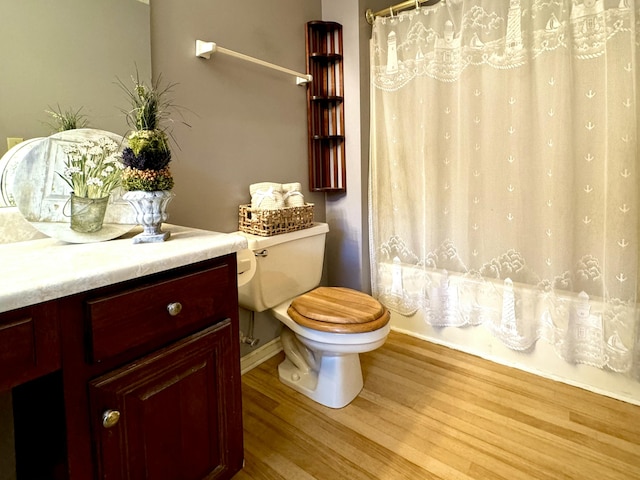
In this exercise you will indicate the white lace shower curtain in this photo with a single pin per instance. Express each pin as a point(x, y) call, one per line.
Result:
point(504, 172)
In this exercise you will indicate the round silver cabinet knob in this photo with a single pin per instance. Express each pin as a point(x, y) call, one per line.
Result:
point(110, 418)
point(174, 308)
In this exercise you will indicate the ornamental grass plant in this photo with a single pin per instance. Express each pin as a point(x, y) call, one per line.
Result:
point(147, 157)
point(68, 119)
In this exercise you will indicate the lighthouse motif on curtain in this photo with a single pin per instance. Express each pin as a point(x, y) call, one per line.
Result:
point(392, 54)
point(510, 331)
point(514, 27)
point(513, 53)
point(443, 310)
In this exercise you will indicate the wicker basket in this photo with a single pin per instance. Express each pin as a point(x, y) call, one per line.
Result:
point(273, 222)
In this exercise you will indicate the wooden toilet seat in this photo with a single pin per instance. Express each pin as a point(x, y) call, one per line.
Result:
point(338, 310)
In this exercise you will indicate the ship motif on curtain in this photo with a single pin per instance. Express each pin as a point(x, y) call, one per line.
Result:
point(551, 309)
point(494, 40)
point(618, 355)
point(619, 335)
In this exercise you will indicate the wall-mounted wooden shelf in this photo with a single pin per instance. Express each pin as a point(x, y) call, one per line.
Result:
point(325, 107)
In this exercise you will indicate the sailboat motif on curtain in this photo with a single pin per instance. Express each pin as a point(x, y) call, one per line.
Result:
point(504, 172)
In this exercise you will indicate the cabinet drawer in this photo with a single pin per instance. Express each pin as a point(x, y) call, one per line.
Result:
point(153, 314)
point(29, 344)
point(18, 343)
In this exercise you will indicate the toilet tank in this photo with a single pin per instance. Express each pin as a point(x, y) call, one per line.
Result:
point(287, 265)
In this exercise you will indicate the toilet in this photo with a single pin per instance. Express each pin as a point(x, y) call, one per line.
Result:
point(324, 328)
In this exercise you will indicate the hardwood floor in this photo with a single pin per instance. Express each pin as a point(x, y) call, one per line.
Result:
point(429, 412)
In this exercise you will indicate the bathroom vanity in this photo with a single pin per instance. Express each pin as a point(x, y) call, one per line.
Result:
point(123, 359)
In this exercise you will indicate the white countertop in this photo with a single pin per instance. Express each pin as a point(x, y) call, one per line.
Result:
point(39, 270)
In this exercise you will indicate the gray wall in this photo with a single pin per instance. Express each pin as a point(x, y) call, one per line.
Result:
point(248, 123)
point(346, 247)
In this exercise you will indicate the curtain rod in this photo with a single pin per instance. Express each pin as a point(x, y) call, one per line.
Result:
point(392, 10)
point(205, 49)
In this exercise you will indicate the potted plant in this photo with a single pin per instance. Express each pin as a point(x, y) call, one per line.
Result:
point(68, 119)
point(93, 170)
point(146, 176)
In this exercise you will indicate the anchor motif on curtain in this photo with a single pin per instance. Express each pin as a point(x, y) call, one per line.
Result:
point(540, 236)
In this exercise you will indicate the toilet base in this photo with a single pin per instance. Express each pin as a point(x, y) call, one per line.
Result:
point(335, 384)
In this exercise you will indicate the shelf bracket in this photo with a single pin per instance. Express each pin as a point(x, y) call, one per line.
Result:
point(205, 49)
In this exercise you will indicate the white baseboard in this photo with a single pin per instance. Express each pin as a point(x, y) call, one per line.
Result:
point(260, 355)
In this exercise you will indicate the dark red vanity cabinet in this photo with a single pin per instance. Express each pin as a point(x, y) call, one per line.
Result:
point(147, 372)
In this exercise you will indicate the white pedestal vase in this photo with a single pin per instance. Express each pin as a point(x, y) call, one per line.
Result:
point(151, 211)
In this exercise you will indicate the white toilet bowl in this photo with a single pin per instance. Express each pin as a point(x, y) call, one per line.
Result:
point(324, 366)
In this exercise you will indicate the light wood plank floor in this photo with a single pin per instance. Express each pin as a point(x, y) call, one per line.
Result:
point(429, 412)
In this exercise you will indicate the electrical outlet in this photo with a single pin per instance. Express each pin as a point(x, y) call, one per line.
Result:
point(13, 141)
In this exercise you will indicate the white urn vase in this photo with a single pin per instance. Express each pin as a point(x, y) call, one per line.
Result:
point(151, 212)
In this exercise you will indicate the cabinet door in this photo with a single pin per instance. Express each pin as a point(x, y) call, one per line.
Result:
point(173, 415)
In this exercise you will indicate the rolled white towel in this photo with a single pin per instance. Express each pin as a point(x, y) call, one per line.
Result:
point(293, 197)
point(264, 186)
point(268, 199)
